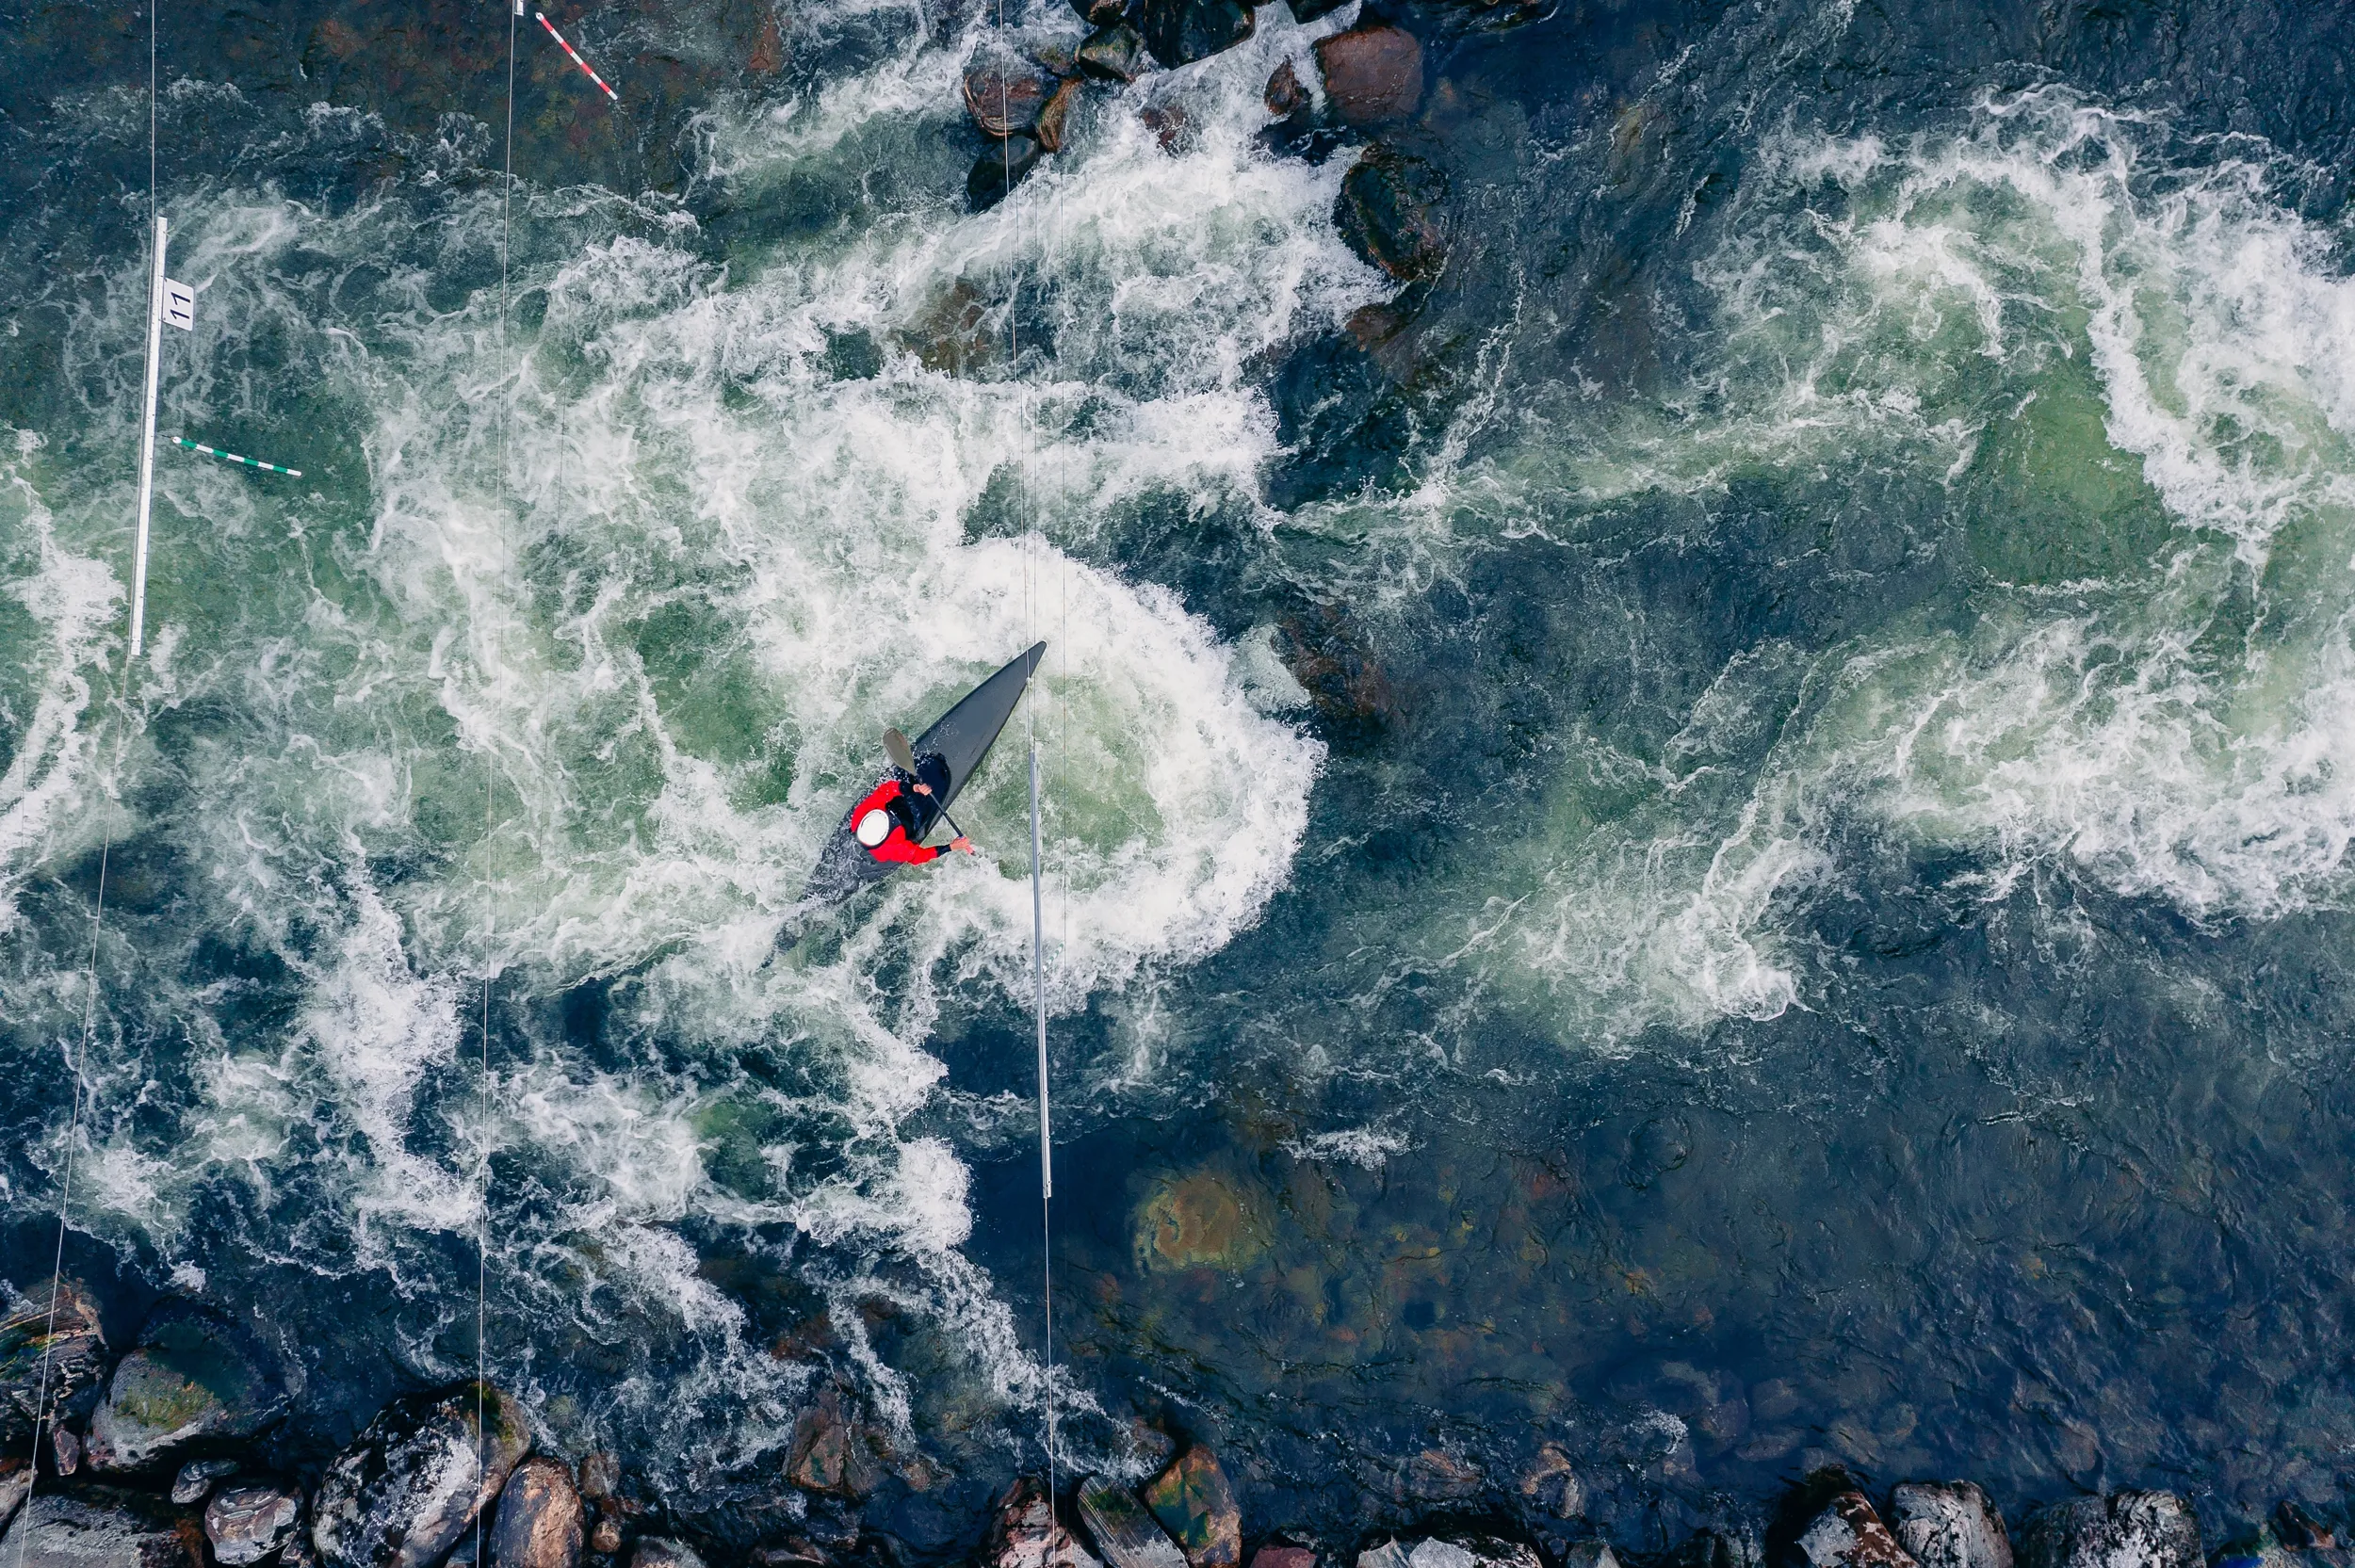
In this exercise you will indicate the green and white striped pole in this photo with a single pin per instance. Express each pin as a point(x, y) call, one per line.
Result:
point(236, 456)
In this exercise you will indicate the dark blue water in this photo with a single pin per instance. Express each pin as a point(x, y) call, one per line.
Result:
point(1717, 839)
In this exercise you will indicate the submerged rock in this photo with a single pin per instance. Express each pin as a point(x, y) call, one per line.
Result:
point(1387, 212)
point(192, 1375)
point(1949, 1524)
point(1848, 1534)
point(1553, 1484)
point(829, 1453)
point(659, 1552)
point(102, 1528)
point(539, 1522)
point(197, 1476)
point(2300, 1530)
point(1026, 1534)
point(1194, 1503)
point(1373, 73)
point(2125, 1530)
point(1124, 1533)
point(1100, 13)
point(600, 1474)
point(402, 1494)
point(245, 1524)
point(996, 172)
point(66, 1351)
point(1112, 53)
point(1285, 96)
point(1179, 32)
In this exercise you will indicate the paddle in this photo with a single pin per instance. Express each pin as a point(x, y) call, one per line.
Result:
point(902, 757)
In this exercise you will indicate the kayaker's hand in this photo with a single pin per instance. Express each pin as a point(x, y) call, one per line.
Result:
point(922, 788)
point(964, 844)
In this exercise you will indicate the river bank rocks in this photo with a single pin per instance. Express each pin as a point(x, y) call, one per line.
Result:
point(102, 1528)
point(1949, 1524)
point(402, 1494)
point(1196, 1504)
point(52, 1352)
point(2146, 1530)
point(193, 1375)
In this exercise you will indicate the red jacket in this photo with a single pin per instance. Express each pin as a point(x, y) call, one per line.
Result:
point(895, 846)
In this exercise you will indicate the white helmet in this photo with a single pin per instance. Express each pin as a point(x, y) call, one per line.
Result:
point(875, 827)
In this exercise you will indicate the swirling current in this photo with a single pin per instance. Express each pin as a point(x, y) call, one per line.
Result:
point(1717, 838)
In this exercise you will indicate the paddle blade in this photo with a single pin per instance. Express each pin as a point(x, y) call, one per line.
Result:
point(896, 746)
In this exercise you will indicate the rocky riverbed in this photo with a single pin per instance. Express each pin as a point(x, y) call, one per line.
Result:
point(151, 1460)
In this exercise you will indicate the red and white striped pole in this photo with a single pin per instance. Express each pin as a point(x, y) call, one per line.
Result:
point(575, 54)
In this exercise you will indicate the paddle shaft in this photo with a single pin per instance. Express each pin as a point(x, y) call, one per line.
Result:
point(902, 757)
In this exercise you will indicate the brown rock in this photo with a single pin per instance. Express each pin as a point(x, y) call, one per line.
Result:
point(65, 1450)
point(1372, 73)
point(767, 56)
point(1848, 1534)
point(1285, 96)
point(1007, 100)
point(1194, 1503)
point(605, 1538)
point(600, 1474)
point(1436, 1476)
point(537, 1523)
point(1026, 1534)
point(1283, 1556)
point(829, 1453)
point(1051, 115)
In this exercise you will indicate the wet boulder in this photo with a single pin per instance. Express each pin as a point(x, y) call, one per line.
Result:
point(193, 1375)
point(1194, 1501)
point(245, 1524)
point(2125, 1530)
point(1025, 1533)
point(1100, 13)
point(58, 1358)
point(1388, 212)
point(1949, 1524)
point(1388, 1555)
point(1112, 53)
point(996, 172)
point(1589, 1553)
point(1848, 1534)
point(1373, 73)
point(1124, 1533)
point(103, 1527)
point(1179, 32)
point(405, 1491)
point(539, 1522)
point(1018, 100)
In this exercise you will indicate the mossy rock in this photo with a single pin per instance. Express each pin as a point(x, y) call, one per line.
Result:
point(194, 1376)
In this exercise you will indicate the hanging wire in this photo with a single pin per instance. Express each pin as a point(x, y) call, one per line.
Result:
point(44, 1414)
point(490, 787)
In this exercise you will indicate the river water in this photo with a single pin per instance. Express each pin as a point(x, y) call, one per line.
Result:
point(1717, 840)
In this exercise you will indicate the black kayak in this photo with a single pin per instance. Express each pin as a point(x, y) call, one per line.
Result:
point(947, 755)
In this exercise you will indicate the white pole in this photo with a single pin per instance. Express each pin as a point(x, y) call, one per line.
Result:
point(147, 440)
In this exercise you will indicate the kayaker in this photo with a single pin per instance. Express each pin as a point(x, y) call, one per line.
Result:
point(883, 820)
